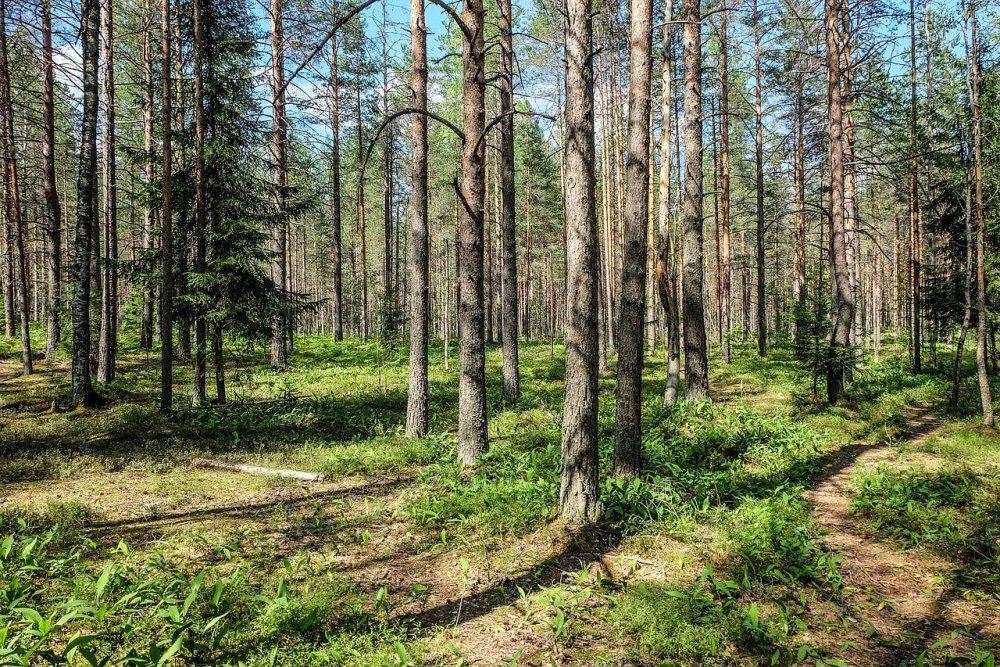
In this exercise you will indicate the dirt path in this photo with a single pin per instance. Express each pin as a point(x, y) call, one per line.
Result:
point(899, 601)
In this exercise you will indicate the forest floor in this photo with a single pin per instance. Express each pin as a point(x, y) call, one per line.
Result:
point(768, 529)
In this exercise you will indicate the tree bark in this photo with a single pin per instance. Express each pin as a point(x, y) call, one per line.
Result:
point(472, 435)
point(579, 494)
point(53, 213)
point(108, 343)
point(279, 158)
point(508, 319)
point(631, 328)
point(695, 339)
point(975, 84)
point(758, 134)
point(12, 199)
point(666, 268)
point(166, 221)
point(149, 219)
point(416, 411)
point(725, 235)
point(200, 259)
point(843, 312)
point(81, 390)
point(336, 213)
point(912, 202)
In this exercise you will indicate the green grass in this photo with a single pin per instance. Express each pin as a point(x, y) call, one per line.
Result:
point(377, 565)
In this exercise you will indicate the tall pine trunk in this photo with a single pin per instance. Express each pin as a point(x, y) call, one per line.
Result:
point(628, 420)
point(843, 306)
point(725, 233)
point(695, 338)
point(12, 198)
point(508, 319)
point(81, 390)
point(107, 344)
point(338, 263)
point(200, 258)
point(472, 435)
point(279, 160)
point(975, 86)
point(579, 494)
point(758, 134)
point(166, 221)
point(416, 411)
point(53, 212)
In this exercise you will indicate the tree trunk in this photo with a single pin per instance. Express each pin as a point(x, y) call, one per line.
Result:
point(628, 427)
point(53, 214)
point(579, 495)
point(695, 339)
point(508, 319)
point(82, 393)
point(12, 198)
point(200, 259)
point(666, 268)
point(338, 284)
point(149, 220)
point(108, 343)
point(975, 84)
point(725, 236)
point(758, 119)
point(166, 224)
point(472, 435)
point(362, 229)
point(915, 250)
point(843, 313)
point(416, 412)
point(279, 158)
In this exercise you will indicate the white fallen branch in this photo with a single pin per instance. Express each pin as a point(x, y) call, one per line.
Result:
point(258, 470)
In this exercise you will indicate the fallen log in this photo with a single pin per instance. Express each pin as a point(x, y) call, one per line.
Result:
point(258, 470)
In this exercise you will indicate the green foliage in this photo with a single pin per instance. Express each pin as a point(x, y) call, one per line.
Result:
point(774, 540)
point(150, 611)
point(952, 511)
point(513, 487)
point(812, 336)
point(699, 456)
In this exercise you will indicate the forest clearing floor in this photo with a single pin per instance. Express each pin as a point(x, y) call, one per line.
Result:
point(768, 528)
